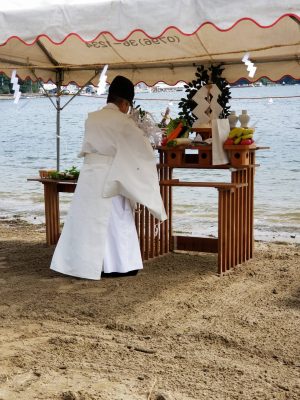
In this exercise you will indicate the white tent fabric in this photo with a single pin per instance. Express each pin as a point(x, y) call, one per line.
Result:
point(88, 18)
point(149, 40)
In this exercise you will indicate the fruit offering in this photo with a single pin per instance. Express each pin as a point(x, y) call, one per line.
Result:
point(242, 136)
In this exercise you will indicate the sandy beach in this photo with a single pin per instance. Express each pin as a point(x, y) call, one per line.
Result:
point(176, 331)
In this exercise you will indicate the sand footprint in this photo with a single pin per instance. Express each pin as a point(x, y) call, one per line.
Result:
point(3, 263)
point(81, 287)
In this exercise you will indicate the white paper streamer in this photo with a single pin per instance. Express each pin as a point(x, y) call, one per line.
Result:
point(250, 66)
point(207, 107)
point(102, 81)
point(202, 109)
point(16, 86)
point(215, 107)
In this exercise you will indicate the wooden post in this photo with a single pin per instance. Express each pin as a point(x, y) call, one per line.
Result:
point(152, 237)
point(51, 213)
point(221, 233)
point(147, 238)
point(142, 237)
point(251, 202)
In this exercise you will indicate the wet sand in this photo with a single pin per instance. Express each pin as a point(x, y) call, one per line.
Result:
point(176, 331)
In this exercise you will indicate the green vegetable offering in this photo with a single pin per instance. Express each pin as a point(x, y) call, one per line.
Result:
point(72, 173)
point(184, 133)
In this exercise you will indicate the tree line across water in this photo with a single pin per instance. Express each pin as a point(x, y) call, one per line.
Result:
point(26, 86)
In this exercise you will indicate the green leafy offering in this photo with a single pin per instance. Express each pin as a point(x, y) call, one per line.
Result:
point(72, 173)
point(171, 143)
point(173, 124)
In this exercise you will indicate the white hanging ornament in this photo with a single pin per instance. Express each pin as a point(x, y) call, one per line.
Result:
point(102, 81)
point(207, 107)
point(16, 86)
point(201, 95)
point(215, 107)
point(202, 109)
point(250, 66)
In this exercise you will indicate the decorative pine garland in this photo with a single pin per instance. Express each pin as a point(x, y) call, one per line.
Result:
point(203, 77)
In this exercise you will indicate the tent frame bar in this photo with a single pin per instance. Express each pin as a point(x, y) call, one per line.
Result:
point(136, 66)
point(59, 80)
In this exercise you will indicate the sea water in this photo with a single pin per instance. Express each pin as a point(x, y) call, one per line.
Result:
point(28, 143)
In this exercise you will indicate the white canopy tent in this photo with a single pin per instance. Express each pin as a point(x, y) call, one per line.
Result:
point(147, 40)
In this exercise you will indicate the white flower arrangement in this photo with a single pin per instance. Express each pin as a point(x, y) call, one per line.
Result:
point(146, 122)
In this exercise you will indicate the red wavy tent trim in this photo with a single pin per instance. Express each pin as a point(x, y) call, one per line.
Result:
point(146, 34)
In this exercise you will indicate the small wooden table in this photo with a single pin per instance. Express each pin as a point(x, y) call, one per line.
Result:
point(230, 220)
point(52, 187)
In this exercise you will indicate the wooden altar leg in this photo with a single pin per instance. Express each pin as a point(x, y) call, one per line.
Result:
point(233, 233)
point(162, 226)
point(251, 203)
point(240, 221)
point(243, 217)
point(142, 231)
point(51, 213)
point(170, 213)
point(221, 233)
point(244, 206)
point(147, 238)
point(226, 231)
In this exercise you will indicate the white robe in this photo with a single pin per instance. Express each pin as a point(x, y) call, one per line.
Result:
point(118, 160)
point(122, 248)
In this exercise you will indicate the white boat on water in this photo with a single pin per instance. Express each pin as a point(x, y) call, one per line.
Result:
point(142, 88)
point(163, 87)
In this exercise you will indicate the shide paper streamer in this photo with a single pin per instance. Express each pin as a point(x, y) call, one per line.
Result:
point(102, 81)
point(16, 87)
point(250, 66)
point(207, 107)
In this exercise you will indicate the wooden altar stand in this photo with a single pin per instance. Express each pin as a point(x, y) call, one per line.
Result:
point(235, 240)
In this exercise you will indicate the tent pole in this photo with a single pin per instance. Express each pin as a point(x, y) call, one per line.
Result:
point(80, 90)
point(58, 129)
point(59, 81)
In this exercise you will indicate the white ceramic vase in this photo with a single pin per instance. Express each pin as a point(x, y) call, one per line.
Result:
point(233, 119)
point(244, 119)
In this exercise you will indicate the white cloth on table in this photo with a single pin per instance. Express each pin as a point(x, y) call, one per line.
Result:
point(220, 131)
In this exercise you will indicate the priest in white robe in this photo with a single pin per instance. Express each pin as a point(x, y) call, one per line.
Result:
point(119, 170)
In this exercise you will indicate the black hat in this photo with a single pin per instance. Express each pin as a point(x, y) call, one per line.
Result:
point(122, 87)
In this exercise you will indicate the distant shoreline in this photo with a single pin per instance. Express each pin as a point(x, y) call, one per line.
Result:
point(23, 96)
point(38, 95)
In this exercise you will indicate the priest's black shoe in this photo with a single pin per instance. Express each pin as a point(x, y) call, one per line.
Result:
point(119, 274)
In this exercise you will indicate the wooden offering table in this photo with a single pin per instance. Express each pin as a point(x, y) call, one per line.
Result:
point(230, 226)
point(235, 240)
point(52, 187)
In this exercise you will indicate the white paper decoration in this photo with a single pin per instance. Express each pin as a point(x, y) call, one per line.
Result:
point(207, 107)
